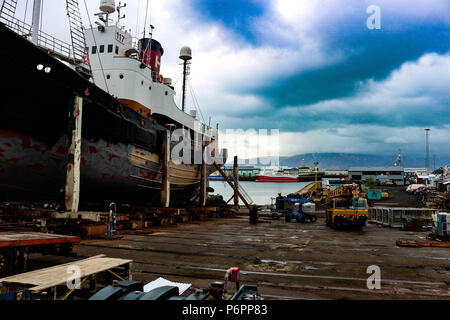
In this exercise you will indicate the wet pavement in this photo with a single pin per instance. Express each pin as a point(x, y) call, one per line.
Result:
point(286, 260)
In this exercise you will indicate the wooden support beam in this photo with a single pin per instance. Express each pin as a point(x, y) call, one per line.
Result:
point(236, 181)
point(231, 184)
point(203, 180)
point(72, 188)
point(165, 187)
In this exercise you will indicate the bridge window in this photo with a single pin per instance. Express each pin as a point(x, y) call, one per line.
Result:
point(117, 49)
point(110, 48)
point(94, 49)
point(102, 48)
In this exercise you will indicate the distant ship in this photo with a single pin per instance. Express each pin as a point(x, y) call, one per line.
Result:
point(126, 113)
point(276, 176)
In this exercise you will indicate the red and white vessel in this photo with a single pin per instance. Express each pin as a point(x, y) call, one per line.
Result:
point(277, 176)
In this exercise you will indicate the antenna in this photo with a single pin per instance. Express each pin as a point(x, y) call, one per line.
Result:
point(120, 7)
point(399, 159)
point(185, 55)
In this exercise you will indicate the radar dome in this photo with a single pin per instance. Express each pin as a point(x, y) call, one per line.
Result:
point(107, 6)
point(185, 53)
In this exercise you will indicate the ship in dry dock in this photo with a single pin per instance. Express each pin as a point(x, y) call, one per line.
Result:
point(128, 108)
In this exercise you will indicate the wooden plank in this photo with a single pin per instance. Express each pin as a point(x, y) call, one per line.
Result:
point(203, 179)
point(231, 184)
point(236, 181)
point(416, 244)
point(165, 188)
point(54, 276)
point(72, 188)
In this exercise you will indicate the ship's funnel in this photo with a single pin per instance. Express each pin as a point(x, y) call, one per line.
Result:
point(107, 6)
point(150, 55)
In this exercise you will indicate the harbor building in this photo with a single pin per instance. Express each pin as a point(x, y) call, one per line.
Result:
point(382, 175)
point(244, 171)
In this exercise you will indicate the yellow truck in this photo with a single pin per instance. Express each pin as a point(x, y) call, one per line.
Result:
point(345, 207)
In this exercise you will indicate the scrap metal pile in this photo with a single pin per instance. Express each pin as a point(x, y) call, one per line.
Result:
point(435, 200)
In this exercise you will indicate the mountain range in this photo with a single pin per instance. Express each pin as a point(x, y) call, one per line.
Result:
point(346, 160)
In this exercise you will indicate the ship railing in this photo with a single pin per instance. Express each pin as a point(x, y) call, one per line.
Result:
point(20, 27)
point(61, 49)
point(55, 45)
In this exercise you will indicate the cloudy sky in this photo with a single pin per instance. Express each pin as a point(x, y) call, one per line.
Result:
point(310, 68)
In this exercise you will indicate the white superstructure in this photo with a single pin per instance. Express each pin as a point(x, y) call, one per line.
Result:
point(129, 69)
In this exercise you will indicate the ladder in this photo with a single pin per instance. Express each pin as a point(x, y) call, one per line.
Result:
point(8, 8)
point(80, 52)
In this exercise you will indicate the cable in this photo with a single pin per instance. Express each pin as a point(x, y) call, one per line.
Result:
point(95, 43)
point(194, 98)
point(176, 82)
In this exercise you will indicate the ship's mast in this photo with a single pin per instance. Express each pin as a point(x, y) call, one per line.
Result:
point(36, 20)
point(185, 55)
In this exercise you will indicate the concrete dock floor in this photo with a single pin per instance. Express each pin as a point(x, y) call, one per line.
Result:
point(285, 260)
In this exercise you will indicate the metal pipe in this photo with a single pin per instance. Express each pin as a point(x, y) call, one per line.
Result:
point(184, 85)
point(36, 20)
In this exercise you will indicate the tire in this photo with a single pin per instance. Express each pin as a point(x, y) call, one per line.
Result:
point(312, 218)
point(275, 216)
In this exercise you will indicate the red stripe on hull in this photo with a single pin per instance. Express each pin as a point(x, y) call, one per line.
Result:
point(276, 179)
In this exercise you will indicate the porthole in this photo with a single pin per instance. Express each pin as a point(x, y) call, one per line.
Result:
point(142, 83)
point(47, 69)
point(150, 88)
point(40, 67)
point(121, 76)
point(108, 76)
point(167, 93)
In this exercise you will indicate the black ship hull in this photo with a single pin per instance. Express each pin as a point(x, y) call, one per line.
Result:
point(121, 149)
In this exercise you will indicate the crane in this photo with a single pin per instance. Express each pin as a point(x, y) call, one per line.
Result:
point(346, 207)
